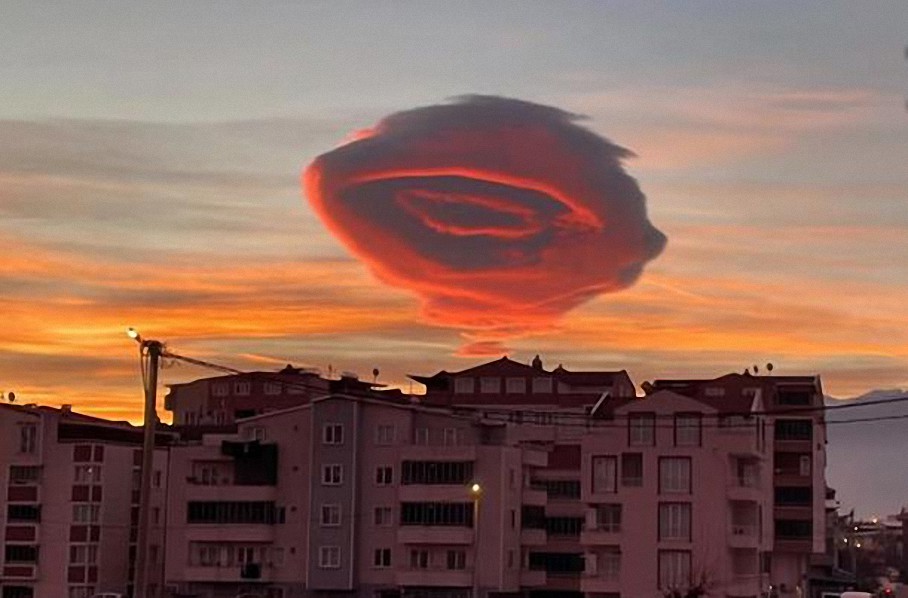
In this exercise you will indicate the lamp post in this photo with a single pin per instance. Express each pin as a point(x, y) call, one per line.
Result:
point(476, 492)
point(152, 350)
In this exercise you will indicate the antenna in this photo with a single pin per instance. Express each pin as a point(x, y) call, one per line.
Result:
point(375, 373)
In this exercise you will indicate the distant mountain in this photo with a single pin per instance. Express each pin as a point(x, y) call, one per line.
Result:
point(866, 462)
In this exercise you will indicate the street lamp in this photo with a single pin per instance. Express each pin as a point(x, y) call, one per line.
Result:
point(152, 351)
point(476, 492)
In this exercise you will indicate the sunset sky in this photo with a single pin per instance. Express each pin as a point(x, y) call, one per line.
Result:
point(150, 161)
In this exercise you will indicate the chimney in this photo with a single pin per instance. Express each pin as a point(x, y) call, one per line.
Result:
point(537, 363)
point(66, 409)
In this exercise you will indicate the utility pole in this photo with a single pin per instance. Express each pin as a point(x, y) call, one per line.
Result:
point(150, 352)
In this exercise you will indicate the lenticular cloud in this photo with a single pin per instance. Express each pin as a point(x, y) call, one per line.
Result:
point(500, 214)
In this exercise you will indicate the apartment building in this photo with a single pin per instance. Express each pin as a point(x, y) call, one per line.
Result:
point(354, 496)
point(548, 408)
point(222, 400)
point(797, 460)
point(70, 487)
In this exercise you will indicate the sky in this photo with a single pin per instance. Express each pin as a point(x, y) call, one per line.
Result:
point(150, 161)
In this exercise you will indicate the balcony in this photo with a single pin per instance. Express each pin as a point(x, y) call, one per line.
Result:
point(743, 536)
point(745, 488)
point(245, 532)
point(20, 571)
point(792, 445)
point(608, 536)
point(200, 492)
point(533, 579)
point(599, 585)
point(534, 496)
point(433, 452)
point(801, 512)
point(462, 578)
point(434, 493)
point(533, 537)
point(803, 545)
point(791, 478)
point(233, 574)
point(434, 534)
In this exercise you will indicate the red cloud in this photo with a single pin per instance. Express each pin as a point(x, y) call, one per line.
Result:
point(501, 215)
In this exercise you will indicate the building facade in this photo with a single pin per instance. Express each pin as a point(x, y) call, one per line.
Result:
point(70, 487)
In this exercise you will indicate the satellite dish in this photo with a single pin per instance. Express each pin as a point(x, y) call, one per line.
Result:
point(769, 366)
point(375, 373)
point(11, 397)
point(756, 369)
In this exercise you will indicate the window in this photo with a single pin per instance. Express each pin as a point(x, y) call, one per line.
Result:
point(419, 559)
point(81, 591)
point(464, 386)
point(604, 474)
point(28, 438)
point(510, 559)
point(421, 436)
point(219, 389)
point(542, 385)
point(258, 433)
point(383, 516)
point(332, 475)
point(641, 429)
point(83, 513)
point(272, 388)
point(234, 512)
point(564, 526)
point(242, 388)
point(794, 429)
point(561, 488)
point(331, 515)
point(87, 474)
point(333, 434)
point(437, 513)
point(381, 558)
point(794, 529)
point(513, 519)
point(674, 521)
point(329, 557)
point(156, 478)
point(609, 562)
point(384, 434)
point(515, 386)
point(457, 559)
point(21, 553)
point(24, 474)
point(156, 515)
point(796, 496)
point(800, 397)
point(489, 385)
point(83, 554)
point(608, 518)
point(453, 473)
point(632, 469)
point(21, 513)
point(804, 465)
point(452, 437)
point(688, 429)
point(674, 475)
point(674, 569)
point(384, 475)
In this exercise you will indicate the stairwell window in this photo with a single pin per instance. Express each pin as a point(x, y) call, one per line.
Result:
point(329, 557)
point(604, 474)
point(28, 438)
point(333, 434)
point(674, 475)
point(331, 515)
point(381, 558)
point(384, 475)
point(332, 475)
point(674, 521)
point(674, 569)
point(688, 431)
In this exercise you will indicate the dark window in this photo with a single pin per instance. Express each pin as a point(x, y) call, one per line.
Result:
point(437, 513)
point(21, 553)
point(532, 517)
point(632, 469)
point(564, 526)
point(788, 529)
point(437, 472)
point(24, 474)
point(82, 453)
point(794, 429)
point(795, 397)
point(556, 562)
point(560, 488)
point(794, 496)
point(23, 513)
point(234, 512)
